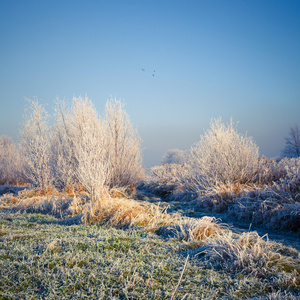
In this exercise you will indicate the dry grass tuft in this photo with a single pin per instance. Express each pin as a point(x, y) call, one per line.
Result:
point(195, 231)
point(250, 253)
point(207, 227)
point(37, 192)
point(234, 190)
point(119, 212)
point(72, 191)
point(75, 190)
point(53, 205)
point(123, 212)
point(8, 200)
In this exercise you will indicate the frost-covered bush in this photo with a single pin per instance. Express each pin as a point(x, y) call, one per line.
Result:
point(81, 147)
point(285, 169)
point(35, 146)
point(269, 170)
point(63, 160)
point(167, 180)
point(123, 147)
point(88, 140)
point(174, 156)
point(284, 175)
point(291, 168)
point(99, 153)
point(222, 156)
point(10, 164)
point(289, 183)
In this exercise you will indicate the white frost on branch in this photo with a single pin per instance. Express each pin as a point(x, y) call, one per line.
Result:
point(223, 156)
point(35, 145)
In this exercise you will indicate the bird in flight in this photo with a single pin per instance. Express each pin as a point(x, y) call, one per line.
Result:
point(152, 72)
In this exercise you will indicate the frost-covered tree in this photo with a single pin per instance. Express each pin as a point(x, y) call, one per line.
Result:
point(222, 156)
point(292, 143)
point(124, 147)
point(81, 147)
point(9, 161)
point(35, 145)
point(174, 156)
point(62, 148)
point(88, 138)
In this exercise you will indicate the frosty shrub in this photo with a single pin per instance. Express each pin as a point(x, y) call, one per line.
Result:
point(123, 147)
point(290, 181)
point(222, 157)
point(82, 140)
point(99, 153)
point(89, 142)
point(35, 146)
point(62, 149)
point(9, 161)
point(269, 170)
point(82, 148)
point(167, 180)
point(291, 168)
point(286, 171)
point(174, 156)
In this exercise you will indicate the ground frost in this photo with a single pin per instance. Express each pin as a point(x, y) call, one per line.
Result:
point(42, 259)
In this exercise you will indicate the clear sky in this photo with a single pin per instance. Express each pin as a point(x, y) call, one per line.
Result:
point(238, 59)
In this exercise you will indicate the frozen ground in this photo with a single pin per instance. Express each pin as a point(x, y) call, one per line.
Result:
point(147, 256)
point(191, 209)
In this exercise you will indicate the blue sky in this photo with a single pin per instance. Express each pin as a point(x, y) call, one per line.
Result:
point(212, 59)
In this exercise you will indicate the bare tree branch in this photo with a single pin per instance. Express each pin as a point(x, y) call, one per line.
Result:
point(292, 143)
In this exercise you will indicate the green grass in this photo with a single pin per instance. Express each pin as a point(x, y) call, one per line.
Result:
point(41, 259)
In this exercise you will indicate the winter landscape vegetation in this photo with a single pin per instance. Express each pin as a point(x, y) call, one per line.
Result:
point(82, 219)
point(184, 183)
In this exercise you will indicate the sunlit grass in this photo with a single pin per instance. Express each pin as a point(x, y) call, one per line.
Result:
point(54, 246)
point(41, 258)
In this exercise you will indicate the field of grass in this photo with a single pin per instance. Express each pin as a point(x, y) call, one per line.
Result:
point(272, 202)
point(46, 257)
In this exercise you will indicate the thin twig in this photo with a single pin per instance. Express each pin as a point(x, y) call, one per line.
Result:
point(173, 296)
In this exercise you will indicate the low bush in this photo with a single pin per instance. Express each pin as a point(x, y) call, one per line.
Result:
point(221, 157)
point(167, 181)
point(175, 156)
point(81, 149)
point(10, 162)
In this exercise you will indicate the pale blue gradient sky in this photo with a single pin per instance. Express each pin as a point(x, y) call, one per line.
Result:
point(235, 59)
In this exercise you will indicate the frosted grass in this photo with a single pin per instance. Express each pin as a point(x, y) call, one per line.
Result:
point(42, 259)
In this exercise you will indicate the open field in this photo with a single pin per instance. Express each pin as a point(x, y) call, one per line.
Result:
point(81, 219)
point(194, 209)
point(150, 150)
point(47, 257)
